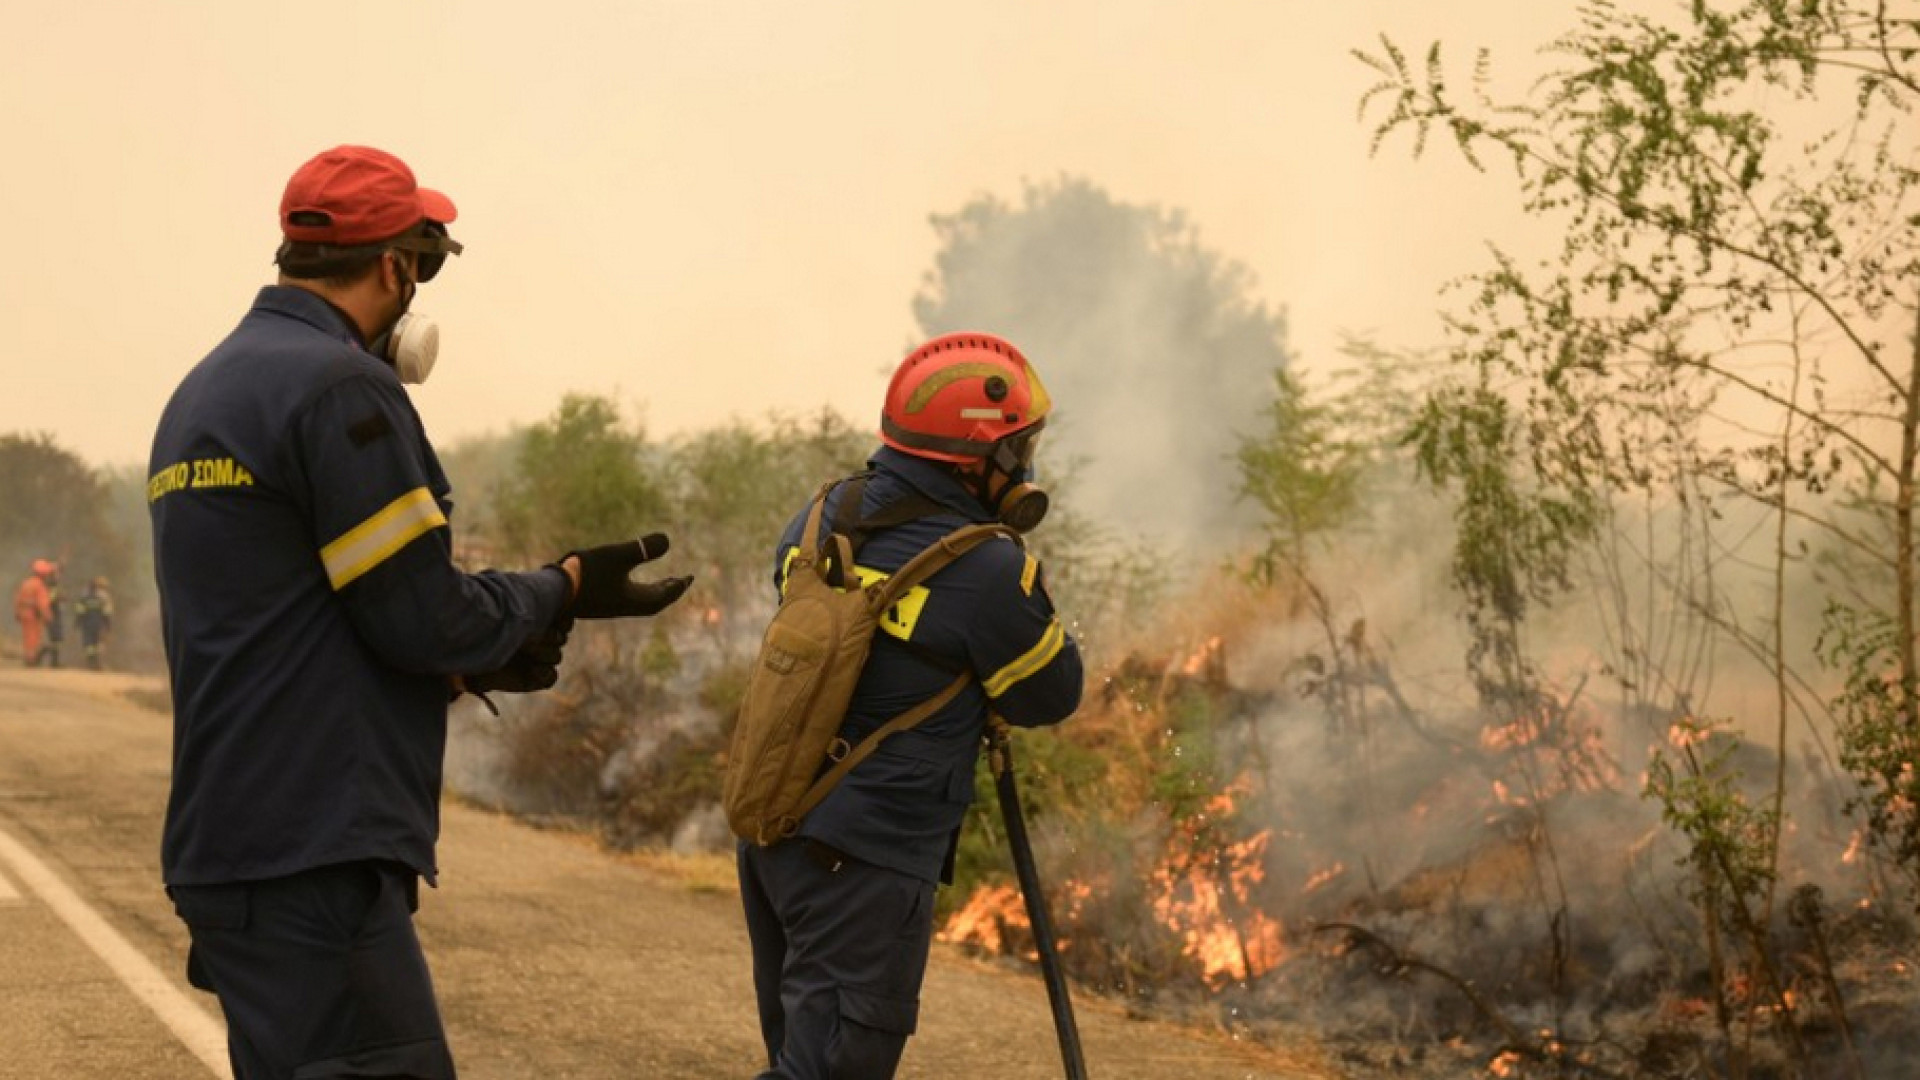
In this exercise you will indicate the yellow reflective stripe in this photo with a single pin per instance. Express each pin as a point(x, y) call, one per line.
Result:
point(1042, 402)
point(786, 569)
point(1029, 662)
point(923, 394)
point(1027, 574)
point(900, 619)
point(371, 542)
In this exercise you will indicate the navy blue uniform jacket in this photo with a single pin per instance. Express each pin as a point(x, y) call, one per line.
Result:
point(310, 605)
point(988, 613)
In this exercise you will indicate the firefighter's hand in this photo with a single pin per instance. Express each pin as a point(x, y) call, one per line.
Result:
point(603, 589)
point(536, 666)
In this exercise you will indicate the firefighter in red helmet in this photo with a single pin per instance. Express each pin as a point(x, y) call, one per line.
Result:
point(974, 401)
point(840, 915)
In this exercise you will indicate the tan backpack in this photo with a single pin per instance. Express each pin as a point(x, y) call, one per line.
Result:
point(810, 660)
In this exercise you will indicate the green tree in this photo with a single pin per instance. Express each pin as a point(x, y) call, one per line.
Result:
point(633, 739)
point(581, 477)
point(733, 490)
point(479, 468)
point(1306, 472)
point(1153, 346)
point(54, 506)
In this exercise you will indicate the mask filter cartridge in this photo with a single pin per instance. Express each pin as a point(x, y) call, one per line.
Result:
point(1022, 506)
point(413, 344)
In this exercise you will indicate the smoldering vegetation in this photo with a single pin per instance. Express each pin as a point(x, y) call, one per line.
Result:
point(1282, 818)
point(1435, 892)
point(1319, 785)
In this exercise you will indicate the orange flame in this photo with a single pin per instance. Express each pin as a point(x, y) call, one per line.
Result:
point(1567, 752)
point(984, 921)
point(1854, 847)
point(1203, 892)
point(1521, 732)
point(1201, 907)
point(1687, 733)
point(1323, 877)
point(1206, 658)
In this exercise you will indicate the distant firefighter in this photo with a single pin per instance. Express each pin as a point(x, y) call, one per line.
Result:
point(94, 616)
point(56, 630)
point(33, 609)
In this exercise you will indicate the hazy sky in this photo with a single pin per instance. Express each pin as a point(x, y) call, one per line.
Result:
point(710, 209)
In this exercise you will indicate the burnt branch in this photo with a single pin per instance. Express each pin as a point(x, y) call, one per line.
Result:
point(1398, 962)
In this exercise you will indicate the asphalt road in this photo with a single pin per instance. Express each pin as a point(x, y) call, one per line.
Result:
point(552, 958)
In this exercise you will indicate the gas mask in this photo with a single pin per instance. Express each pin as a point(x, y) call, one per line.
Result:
point(1020, 503)
point(412, 343)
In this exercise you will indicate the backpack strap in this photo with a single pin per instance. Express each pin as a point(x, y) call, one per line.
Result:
point(858, 527)
point(925, 565)
point(846, 514)
point(882, 596)
point(810, 532)
point(828, 554)
point(906, 508)
point(936, 556)
point(867, 746)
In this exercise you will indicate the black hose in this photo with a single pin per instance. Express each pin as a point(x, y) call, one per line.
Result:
point(1000, 758)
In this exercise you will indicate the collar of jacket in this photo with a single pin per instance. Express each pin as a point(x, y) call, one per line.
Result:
point(931, 479)
point(310, 308)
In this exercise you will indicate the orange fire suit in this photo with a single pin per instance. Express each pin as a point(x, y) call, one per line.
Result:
point(33, 607)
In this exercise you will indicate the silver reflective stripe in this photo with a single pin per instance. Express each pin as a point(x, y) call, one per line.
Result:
point(371, 542)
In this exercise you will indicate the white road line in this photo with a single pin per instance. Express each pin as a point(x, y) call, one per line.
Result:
point(204, 1036)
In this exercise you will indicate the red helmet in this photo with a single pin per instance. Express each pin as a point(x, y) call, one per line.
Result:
point(42, 567)
point(958, 396)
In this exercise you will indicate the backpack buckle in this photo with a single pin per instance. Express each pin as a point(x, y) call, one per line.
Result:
point(838, 748)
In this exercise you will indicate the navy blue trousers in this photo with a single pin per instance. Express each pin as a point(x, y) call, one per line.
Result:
point(320, 974)
point(838, 957)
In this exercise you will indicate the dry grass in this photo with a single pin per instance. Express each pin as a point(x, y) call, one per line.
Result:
point(707, 872)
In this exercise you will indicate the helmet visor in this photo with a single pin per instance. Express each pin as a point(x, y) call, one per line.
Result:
point(1014, 454)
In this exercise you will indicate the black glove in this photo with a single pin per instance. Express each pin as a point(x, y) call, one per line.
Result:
point(534, 666)
point(606, 592)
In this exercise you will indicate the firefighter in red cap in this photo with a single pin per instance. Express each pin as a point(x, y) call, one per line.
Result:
point(840, 915)
point(316, 628)
point(33, 609)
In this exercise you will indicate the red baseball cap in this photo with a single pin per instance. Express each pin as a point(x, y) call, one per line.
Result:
point(357, 195)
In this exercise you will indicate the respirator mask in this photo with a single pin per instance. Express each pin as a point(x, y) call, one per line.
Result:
point(411, 346)
point(1020, 503)
point(412, 343)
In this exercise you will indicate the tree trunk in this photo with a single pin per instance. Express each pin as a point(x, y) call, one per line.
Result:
point(1904, 542)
